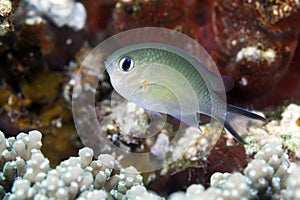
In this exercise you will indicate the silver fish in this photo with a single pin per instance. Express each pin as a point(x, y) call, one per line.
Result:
point(163, 78)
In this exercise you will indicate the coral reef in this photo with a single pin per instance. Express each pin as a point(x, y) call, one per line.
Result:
point(26, 174)
point(285, 131)
point(43, 42)
point(198, 170)
point(32, 90)
point(227, 157)
point(62, 13)
point(195, 144)
point(265, 177)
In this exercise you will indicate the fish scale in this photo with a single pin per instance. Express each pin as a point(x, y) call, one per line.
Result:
point(182, 66)
point(163, 78)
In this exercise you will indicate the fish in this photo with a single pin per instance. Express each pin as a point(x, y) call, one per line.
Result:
point(165, 79)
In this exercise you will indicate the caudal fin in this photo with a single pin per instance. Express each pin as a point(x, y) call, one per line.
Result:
point(237, 121)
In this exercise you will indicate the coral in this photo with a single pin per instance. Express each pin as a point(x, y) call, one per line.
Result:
point(140, 192)
point(285, 131)
point(255, 50)
point(40, 49)
point(50, 42)
point(6, 8)
point(252, 54)
point(32, 97)
point(62, 13)
point(128, 178)
point(132, 120)
point(132, 14)
point(161, 145)
point(233, 186)
point(71, 177)
point(184, 172)
point(292, 191)
point(195, 143)
point(125, 124)
point(268, 170)
point(16, 153)
point(263, 178)
point(93, 195)
point(223, 186)
point(26, 173)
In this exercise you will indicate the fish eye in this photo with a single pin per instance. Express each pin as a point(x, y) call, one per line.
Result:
point(126, 64)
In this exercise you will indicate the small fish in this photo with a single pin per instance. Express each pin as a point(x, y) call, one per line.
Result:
point(163, 78)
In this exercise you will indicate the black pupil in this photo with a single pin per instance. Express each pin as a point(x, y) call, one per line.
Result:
point(126, 64)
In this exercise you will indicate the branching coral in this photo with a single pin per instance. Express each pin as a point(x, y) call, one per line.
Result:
point(263, 178)
point(16, 153)
point(268, 170)
point(26, 173)
point(292, 190)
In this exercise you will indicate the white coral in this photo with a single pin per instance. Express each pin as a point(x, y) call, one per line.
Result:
point(140, 192)
point(62, 12)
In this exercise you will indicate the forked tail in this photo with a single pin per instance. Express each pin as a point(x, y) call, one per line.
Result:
point(237, 121)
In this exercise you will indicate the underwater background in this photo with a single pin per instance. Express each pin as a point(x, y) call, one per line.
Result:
point(42, 46)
